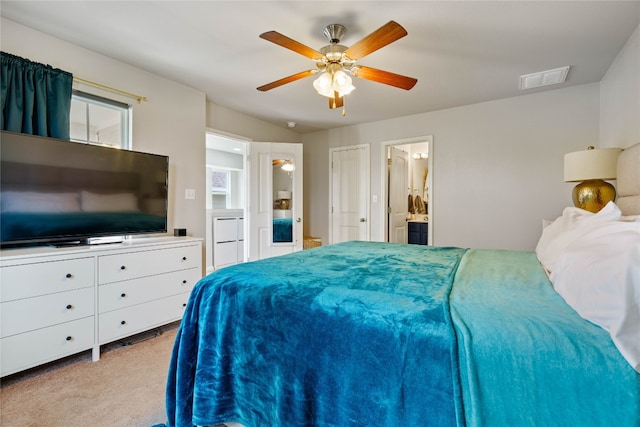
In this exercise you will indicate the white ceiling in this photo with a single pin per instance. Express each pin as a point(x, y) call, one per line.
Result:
point(460, 52)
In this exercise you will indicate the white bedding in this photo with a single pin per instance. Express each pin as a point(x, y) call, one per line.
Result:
point(594, 264)
point(564, 230)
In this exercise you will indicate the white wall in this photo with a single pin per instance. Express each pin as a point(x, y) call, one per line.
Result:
point(620, 97)
point(248, 127)
point(315, 153)
point(497, 165)
point(171, 122)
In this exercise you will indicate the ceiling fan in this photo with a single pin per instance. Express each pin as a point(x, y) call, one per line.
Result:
point(336, 62)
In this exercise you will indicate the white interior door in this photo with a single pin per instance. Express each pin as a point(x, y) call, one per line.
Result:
point(350, 194)
point(268, 180)
point(398, 195)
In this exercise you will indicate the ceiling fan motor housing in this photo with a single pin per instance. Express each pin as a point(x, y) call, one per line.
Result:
point(334, 33)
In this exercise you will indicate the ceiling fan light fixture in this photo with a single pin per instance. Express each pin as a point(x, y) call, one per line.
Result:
point(288, 166)
point(331, 82)
point(342, 83)
point(324, 85)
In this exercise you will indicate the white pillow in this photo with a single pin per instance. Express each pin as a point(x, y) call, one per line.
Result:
point(598, 274)
point(30, 201)
point(563, 231)
point(119, 202)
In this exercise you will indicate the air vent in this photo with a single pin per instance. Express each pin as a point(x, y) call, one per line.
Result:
point(544, 78)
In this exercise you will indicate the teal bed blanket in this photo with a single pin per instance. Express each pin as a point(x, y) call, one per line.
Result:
point(353, 334)
point(527, 358)
point(282, 230)
point(378, 334)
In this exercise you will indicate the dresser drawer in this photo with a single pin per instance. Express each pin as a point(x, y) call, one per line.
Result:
point(114, 296)
point(33, 313)
point(138, 318)
point(41, 278)
point(24, 351)
point(225, 254)
point(225, 229)
point(132, 265)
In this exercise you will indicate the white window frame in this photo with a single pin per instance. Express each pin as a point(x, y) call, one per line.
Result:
point(125, 118)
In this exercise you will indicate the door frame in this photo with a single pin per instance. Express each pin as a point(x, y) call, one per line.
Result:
point(383, 182)
point(367, 173)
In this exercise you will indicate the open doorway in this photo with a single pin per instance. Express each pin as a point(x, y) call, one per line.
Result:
point(226, 200)
point(408, 190)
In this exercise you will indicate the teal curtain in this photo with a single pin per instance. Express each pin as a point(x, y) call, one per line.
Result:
point(36, 98)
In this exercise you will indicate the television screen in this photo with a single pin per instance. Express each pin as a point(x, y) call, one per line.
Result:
point(55, 191)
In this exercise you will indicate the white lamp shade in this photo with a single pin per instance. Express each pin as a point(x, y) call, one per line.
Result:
point(591, 164)
point(342, 83)
point(323, 85)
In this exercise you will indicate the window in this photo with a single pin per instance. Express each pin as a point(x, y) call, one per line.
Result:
point(102, 121)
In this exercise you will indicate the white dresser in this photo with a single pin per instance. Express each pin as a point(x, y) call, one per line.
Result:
point(55, 302)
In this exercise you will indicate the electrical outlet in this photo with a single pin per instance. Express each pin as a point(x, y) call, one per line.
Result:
point(190, 194)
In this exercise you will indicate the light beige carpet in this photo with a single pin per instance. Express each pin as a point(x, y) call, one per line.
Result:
point(125, 388)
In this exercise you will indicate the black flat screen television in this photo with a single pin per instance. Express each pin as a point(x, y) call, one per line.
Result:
point(60, 192)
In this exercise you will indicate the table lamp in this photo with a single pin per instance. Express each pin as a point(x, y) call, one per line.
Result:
point(592, 166)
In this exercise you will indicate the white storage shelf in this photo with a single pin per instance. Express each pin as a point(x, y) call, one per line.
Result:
point(228, 241)
point(57, 302)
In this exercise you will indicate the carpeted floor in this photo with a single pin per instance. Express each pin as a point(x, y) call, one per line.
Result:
point(125, 388)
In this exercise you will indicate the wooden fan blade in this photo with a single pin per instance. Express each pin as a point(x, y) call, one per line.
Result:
point(385, 77)
point(289, 79)
point(336, 102)
point(388, 33)
point(286, 42)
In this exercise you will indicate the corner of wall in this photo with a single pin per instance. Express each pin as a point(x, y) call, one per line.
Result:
point(620, 97)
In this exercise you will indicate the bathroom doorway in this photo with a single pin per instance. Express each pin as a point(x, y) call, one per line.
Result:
point(408, 188)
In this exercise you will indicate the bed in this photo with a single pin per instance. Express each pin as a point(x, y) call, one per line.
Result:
point(380, 334)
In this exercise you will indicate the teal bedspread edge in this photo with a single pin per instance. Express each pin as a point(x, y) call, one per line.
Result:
point(526, 357)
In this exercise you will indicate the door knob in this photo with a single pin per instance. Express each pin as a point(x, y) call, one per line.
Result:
point(298, 219)
point(363, 220)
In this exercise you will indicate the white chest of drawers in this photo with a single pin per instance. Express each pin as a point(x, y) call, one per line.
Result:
point(56, 302)
point(228, 241)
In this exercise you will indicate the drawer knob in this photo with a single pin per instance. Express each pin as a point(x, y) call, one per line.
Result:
point(184, 305)
point(184, 282)
point(184, 258)
point(69, 275)
point(122, 295)
point(122, 267)
point(124, 322)
point(69, 306)
point(69, 338)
